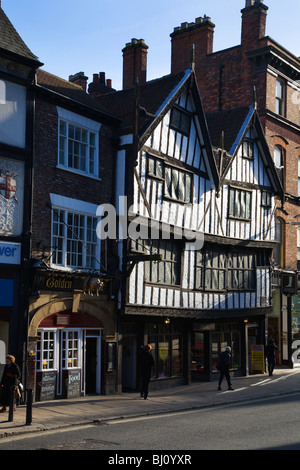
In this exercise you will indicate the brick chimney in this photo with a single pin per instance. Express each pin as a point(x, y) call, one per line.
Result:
point(254, 18)
point(80, 79)
point(100, 86)
point(199, 34)
point(134, 63)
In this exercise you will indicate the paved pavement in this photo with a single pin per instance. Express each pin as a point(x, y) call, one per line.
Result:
point(92, 409)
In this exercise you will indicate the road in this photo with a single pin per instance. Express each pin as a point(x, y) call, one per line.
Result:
point(264, 424)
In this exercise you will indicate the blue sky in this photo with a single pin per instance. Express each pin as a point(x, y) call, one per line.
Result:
point(70, 36)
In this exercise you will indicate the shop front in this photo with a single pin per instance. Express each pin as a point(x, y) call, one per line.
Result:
point(71, 340)
point(169, 340)
point(68, 358)
point(209, 340)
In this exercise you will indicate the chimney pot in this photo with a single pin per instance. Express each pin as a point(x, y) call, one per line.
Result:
point(79, 79)
point(102, 77)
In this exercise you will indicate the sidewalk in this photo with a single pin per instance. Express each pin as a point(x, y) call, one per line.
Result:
point(93, 409)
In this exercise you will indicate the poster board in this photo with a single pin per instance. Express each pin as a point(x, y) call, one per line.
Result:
point(258, 358)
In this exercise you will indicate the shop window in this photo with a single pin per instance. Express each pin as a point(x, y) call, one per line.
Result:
point(46, 350)
point(166, 343)
point(228, 335)
point(70, 349)
point(197, 353)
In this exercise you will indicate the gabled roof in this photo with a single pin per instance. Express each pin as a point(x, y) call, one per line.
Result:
point(151, 96)
point(156, 97)
point(11, 41)
point(228, 129)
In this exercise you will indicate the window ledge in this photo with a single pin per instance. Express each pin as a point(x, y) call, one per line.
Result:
point(78, 172)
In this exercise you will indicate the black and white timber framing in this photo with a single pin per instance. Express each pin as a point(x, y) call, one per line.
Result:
point(180, 176)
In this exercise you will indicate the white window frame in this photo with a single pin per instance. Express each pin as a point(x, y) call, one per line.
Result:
point(280, 101)
point(63, 206)
point(87, 125)
point(42, 349)
point(68, 358)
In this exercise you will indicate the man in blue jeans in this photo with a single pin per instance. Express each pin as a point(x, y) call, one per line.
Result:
point(223, 367)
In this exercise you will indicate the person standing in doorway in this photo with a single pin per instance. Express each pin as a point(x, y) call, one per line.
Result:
point(223, 367)
point(271, 356)
point(10, 378)
point(147, 362)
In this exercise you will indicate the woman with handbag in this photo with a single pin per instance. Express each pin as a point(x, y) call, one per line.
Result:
point(10, 379)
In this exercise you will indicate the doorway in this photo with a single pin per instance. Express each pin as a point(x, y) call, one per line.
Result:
point(129, 362)
point(92, 365)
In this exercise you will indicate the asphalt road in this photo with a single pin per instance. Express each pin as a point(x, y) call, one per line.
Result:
point(260, 424)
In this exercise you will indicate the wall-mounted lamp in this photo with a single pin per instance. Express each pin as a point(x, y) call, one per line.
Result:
point(167, 321)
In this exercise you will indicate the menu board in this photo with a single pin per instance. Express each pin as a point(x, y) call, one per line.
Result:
point(73, 383)
point(48, 386)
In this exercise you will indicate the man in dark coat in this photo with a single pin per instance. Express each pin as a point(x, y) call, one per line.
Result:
point(223, 367)
point(271, 355)
point(147, 362)
point(10, 378)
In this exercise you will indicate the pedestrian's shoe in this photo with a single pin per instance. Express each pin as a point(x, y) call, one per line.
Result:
point(3, 409)
point(145, 397)
point(219, 387)
point(230, 388)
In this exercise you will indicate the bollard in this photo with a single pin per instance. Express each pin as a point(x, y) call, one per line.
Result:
point(11, 404)
point(29, 407)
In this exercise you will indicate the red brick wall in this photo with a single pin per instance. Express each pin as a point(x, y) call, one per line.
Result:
point(49, 179)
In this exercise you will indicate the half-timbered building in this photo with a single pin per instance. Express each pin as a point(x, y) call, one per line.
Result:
point(200, 193)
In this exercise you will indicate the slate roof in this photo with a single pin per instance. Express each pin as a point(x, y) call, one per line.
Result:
point(67, 89)
point(152, 95)
point(11, 41)
point(230, 122)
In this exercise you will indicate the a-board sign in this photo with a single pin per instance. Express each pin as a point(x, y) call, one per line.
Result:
point(73, 383)
point(48, 385)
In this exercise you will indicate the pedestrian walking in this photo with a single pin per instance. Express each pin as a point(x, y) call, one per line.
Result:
point(10, 378)
point(147, 362)
point(223, 366)
point(271, 355)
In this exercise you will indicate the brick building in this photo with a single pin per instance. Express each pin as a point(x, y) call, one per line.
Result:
point(72, 323)
point(228, 79)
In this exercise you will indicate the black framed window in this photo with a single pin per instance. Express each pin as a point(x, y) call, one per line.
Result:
point(241, 271)
point(220, 270)
point(239, 204)
point(168, 270)
point(248, 149)
point(266, 199)
point(180, 120)
point(215, 270)
point(178, 184)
